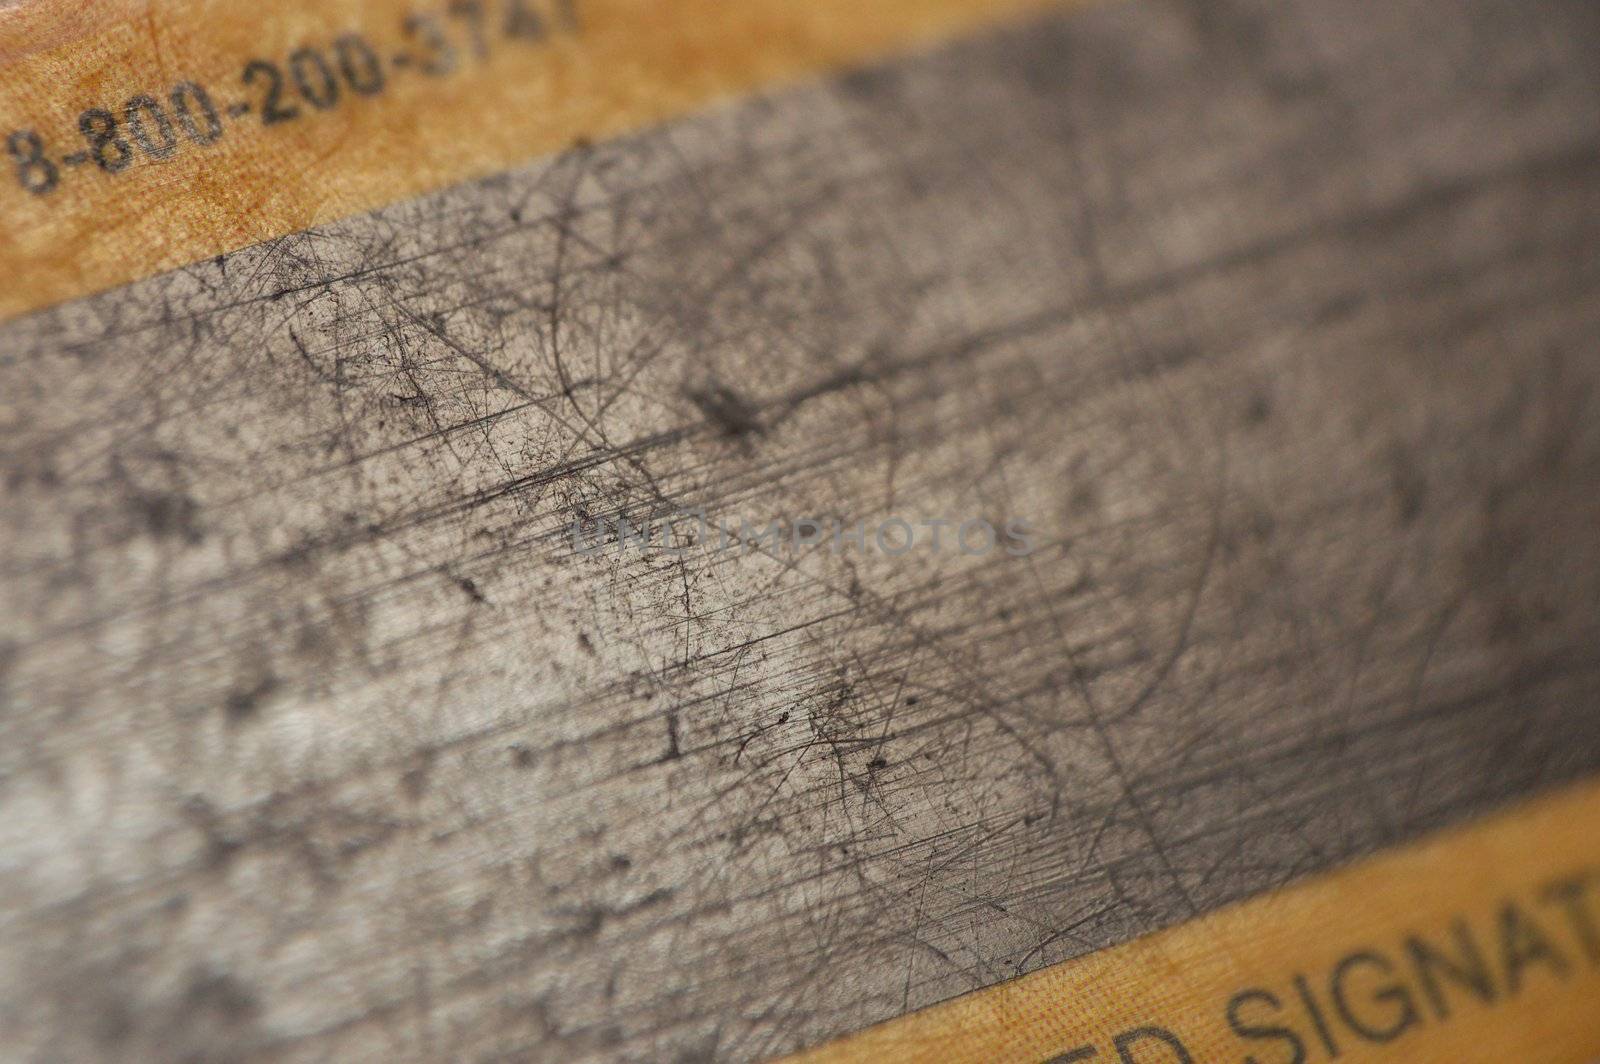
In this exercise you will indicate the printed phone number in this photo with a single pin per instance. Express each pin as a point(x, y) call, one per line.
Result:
point(311, 79)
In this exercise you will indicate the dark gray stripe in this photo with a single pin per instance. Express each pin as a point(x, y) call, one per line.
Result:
point(1277, 320)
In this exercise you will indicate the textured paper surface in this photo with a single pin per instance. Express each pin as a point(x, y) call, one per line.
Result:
point(1480, 945)
point(629, 63)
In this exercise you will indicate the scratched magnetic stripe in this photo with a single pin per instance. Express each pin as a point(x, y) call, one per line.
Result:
point(1277, 320)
